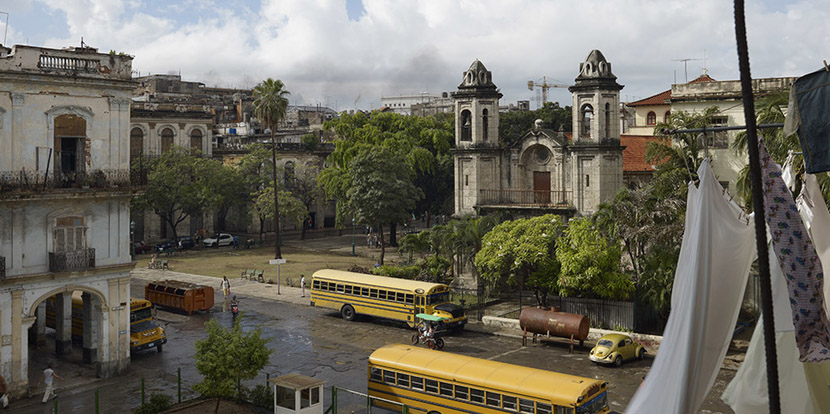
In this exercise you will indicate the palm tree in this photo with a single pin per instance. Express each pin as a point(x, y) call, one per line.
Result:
point(270, 107)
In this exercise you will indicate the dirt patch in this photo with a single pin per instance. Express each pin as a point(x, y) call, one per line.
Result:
point(208, 406)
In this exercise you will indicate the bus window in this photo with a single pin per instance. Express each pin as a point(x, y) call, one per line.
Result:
point(332, 287)
point(493, 399)
point(400, 297)
point(525, 406)
point(403, 380)
point(410, 299)
point(417, 383)
point(438, 298)
point(373, 293)
point(376, 375)
point(476, 395)
point(316, 284)
point(389, 377)
point(432, 386)
point(461, 393)
point(364, 291)
point(446, 389)
point(509, 403)
point(348, 290)
point(339, 288)
point(542, 408)
point(135, 316)
point(324, 286)
point(563, 410)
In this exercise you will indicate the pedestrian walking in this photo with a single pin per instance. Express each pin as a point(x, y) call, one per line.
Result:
point(4, 396)
point(235, 242)
point(302, 285)
point(226, 290)
point(368, 240)
point(47, 377)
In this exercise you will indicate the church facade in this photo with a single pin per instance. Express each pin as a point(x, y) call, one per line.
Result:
point(545, 171)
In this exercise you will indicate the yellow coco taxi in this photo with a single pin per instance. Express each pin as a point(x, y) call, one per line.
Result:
point(616, 348)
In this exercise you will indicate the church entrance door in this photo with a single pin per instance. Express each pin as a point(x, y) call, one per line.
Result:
point(541, 187)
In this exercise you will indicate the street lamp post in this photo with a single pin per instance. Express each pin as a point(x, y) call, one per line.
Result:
point(353, 223)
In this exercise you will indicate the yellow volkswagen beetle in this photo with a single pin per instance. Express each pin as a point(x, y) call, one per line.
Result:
point(615, 348)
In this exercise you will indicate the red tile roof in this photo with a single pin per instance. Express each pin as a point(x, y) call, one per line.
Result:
point(659, 99)
point(634, 153)
point(702, 78)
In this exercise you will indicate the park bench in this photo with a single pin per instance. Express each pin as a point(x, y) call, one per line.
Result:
point(247, 274)
point(165, 265)
point(259, 276)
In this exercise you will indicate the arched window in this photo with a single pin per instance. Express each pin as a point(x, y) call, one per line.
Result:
point(136, 143)
point(587, 115)
point(466, 126)
point(666, 117)
point(166, 139)
point(70, 142)
point(288, 173)
point(651, 118)
point(195, 141)
point(607, 120)
point(485, 121)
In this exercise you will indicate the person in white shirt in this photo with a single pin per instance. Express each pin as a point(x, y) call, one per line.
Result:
point(47, 377)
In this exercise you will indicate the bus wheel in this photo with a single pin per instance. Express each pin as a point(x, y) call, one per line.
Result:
point(434, 412)
point(158, 348)
point(415, 338)
point(347, 313)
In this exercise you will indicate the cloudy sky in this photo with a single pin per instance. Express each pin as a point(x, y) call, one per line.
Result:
point(349, 53)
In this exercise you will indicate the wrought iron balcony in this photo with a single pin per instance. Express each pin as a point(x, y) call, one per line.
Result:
point(525, 198)
point(72, 260)
point(2, 268)
point(28, 180)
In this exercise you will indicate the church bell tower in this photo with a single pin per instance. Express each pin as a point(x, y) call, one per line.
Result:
point(476, 137)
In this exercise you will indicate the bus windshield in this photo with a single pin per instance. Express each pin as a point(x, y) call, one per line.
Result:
point(140, 314)
point(594, 406)
point(438, 298)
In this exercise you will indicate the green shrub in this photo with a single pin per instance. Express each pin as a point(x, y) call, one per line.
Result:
point(157, 404)
point(400, 272)
point(261, 396)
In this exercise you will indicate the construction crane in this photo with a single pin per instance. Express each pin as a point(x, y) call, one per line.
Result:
point(544, 86)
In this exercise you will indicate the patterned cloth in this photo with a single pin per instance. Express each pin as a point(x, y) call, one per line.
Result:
point(799, 263)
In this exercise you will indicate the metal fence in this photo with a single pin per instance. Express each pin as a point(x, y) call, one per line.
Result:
point(31, 180)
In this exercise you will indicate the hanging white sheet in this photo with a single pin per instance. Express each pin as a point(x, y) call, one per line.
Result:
point(717, 250)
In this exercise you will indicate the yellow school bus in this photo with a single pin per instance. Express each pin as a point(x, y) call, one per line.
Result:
point(145, 333)
point(384, 297)
point(436, 382)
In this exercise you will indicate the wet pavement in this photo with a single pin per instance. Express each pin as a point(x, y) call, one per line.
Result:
point(310, 341)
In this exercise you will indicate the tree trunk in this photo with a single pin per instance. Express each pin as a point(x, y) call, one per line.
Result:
point(216, 410)
point(222, 217)
point(393, 234)
point(305, 227)
point(382, 244)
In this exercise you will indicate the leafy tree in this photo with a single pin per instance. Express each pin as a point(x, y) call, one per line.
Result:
point(522, 252)
point(382, 189)
point(270, 105)
point(310, 141)
point(226, 357)
point(228, 186)
point(256, 170)
point(293, 209)
point(422, 142)
point(304, 187)
point(514, 124)
point(179, 185)
point(686, 152)
point(590, 263)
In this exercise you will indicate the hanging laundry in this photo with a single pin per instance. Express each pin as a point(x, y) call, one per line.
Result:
point(816, 218)
point(807, 115)
point(717, 250)
point(799, 263)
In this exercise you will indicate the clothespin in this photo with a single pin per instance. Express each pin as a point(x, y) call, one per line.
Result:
point(826, 67)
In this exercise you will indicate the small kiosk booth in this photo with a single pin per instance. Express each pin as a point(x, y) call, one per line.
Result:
point(297, 394)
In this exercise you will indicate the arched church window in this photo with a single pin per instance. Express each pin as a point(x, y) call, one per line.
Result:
point(136, 143)
point(466, 126)
point(485, 122)
point(651, 118)
point(607, 120)
point(587, 115)
point(666, 117)
point(195, 141)
point(166, 139)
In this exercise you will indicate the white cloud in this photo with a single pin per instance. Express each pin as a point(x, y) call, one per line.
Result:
point(401, 47)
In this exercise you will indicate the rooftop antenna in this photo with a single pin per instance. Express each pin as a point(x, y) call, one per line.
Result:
point(6, 30)
point(83, 45)
point(685, 68)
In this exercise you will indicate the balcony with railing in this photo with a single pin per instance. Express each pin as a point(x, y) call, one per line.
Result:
point(80, 61)
point(72, 260)
point(27, 181)
point(560, 199)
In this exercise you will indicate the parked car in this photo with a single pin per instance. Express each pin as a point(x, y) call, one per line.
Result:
point(615, 348)
point(187, 243)
point(140, 247)
point(223, 239)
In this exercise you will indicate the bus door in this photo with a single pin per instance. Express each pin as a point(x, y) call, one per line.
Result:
point(420, 302)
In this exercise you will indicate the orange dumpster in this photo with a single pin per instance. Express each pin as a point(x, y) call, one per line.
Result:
point(186, 297)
